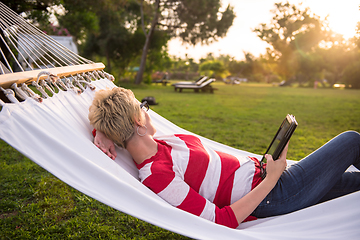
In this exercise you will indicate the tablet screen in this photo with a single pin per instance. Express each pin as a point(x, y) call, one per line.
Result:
point(281, 134)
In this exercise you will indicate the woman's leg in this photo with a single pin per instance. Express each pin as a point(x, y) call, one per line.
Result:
point(318, 177)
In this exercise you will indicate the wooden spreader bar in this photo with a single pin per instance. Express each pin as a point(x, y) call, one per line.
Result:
point(6, 80)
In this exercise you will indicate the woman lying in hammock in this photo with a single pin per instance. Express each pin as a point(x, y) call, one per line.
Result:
point(214, 185)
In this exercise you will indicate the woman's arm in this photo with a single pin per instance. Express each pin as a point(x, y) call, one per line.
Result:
point(247, 204)
point(105, 144)
point(178, 193)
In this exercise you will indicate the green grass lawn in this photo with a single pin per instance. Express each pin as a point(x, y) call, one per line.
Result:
point(36, 205)
point(247, 116)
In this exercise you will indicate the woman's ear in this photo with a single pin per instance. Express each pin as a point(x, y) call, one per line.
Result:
point(139, 120)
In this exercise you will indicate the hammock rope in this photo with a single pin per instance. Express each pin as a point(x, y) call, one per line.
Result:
point(27, 51)
point(26, 38)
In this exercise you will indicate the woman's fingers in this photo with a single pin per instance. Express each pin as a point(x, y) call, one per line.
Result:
point(105, 144)
point(113, 151)
point(268, 157)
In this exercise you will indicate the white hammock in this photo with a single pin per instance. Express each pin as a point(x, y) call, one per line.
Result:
point(56, 135)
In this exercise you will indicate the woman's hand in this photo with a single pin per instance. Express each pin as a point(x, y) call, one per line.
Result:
point(105, 144)
point(247, 204)
point(274, 169)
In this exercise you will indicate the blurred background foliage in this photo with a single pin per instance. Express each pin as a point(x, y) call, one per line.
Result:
point(303, 50)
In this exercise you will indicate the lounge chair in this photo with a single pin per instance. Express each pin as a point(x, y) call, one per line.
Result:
point(204, 87)
point(199, 81)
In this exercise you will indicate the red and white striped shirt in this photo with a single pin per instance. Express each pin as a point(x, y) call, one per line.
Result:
point(197, 179)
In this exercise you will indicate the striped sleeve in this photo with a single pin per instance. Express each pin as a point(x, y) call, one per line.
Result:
point(196, 204)
point(180, 195)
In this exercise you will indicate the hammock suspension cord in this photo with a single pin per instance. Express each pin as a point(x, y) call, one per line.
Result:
point(25, 48)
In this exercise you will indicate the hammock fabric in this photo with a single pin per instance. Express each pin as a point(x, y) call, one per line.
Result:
point(56, 135)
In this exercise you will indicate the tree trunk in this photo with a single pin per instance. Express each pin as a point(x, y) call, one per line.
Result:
point(140, 73)
point(148, 36)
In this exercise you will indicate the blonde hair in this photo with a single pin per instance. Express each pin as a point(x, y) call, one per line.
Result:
point(113, 112)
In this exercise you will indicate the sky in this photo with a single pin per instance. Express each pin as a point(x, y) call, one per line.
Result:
point(342, 16)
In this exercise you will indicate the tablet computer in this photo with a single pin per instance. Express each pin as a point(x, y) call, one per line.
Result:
point(281, 138)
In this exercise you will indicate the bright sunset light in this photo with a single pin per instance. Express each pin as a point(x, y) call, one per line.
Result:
point(342, 16)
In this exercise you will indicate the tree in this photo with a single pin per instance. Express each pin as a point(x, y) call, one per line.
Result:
point(309, 68)
point(357, 36)
point(38, 11)
point(247, 68)
point(351, 75)
point(113, 30)
point(98, 28)
point(292, 33)
point(110, 30)
point(351, 72)
point(192, 21)
point(336, 58)
point(215, 68)
point(82, 18)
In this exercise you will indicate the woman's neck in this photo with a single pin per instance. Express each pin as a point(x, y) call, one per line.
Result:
point(142, 148)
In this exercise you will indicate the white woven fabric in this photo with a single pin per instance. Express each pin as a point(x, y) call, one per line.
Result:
point(56, 135)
